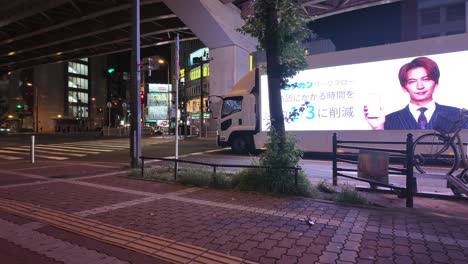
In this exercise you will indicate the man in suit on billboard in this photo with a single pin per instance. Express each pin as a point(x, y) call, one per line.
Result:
point(419, 78)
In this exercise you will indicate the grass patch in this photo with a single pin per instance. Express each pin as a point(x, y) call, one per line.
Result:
point(351, 197)
point(250, 179)
point(254, 179)
point(165, 173)
point(205, 178)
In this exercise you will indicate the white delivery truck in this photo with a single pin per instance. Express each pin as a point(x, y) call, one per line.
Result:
point(329, 97)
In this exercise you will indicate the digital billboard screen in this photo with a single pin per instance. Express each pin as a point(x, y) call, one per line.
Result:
point(157, 106)
point(376, 95)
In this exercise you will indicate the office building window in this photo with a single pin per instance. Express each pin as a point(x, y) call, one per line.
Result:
point(430, 16)
point(455, 12)
point(78, 95)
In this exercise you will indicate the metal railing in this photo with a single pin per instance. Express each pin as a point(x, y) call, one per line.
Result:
point(215, 166)
point(405, 157)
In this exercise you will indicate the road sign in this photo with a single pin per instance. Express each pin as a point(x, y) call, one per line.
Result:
point(109, 104)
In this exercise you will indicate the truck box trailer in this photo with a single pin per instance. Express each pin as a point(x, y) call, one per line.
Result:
point(330, 95)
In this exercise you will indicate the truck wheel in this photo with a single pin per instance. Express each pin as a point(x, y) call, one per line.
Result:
point(240, 145)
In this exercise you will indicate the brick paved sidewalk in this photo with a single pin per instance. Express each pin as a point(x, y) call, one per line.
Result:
point(248, 226)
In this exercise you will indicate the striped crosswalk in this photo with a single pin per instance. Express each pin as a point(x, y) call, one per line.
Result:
point(62, 151)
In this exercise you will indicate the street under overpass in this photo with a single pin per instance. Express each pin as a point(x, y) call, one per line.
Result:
point(37, 32)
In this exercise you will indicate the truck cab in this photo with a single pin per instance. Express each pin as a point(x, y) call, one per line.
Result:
point(238, 117)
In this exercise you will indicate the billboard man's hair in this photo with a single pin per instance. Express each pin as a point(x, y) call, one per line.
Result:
point(428, 64)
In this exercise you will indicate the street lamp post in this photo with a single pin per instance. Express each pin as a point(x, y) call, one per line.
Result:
point(161, 61)
point(36, 107)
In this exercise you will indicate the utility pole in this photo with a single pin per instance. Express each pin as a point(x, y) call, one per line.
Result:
point(201, 97)
point(36, 111)
point(135, 135)
point(185, 97)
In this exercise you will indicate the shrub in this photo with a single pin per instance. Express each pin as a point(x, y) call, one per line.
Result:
point(275, 179)
point(281, 180)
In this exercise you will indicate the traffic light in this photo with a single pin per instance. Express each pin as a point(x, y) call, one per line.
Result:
point(142, 98)
point(110, 70)
point(19, 106)
point(99, 110)
point(116, 103)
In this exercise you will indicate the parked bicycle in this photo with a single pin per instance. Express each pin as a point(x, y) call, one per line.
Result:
point(444, 147)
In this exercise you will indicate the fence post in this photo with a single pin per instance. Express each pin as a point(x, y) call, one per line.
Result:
point(409, 171)
point(335, 167)
point(142, 166)
point(175, 169)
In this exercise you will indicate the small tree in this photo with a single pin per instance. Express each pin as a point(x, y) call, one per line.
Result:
point(280, 26)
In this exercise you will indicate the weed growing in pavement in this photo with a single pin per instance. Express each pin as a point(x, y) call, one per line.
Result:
point(350, 196)
point(324, 187)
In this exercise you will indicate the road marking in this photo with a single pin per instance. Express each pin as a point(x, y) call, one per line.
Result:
point(67, 149)
point(39, 156)
point(9, 157)
point(83, 148)
point(106, 146)
point(63, 149)
point(45, 151)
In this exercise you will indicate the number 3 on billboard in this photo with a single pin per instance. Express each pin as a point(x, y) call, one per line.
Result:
point(310, 112)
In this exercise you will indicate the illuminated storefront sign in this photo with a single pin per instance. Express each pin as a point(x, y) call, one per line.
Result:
point(203, 53)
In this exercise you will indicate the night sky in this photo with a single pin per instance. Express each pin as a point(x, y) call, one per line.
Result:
point(121, 62)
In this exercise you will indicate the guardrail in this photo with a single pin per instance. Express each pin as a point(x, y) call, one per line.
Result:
point(405, 156)
point(215, 166)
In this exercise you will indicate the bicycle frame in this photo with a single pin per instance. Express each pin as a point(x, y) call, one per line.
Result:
point(459, 142)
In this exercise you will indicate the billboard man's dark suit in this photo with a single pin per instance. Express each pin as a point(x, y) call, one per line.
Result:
point(403, 119)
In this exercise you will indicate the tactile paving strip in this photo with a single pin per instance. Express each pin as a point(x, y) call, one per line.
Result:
point(161, 248)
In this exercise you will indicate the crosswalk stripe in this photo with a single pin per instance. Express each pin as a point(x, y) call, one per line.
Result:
point(99, 146)
point(39, 156)
point(58, 148)
point(45, 151)
point(84, 148)
point(113, 146)
point(62, 151)
point(10, 157)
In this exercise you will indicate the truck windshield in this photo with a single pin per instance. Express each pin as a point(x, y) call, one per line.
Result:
point(231, 105)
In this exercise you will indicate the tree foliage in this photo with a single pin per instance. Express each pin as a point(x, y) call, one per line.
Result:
point(280, 26)
point(289, 30)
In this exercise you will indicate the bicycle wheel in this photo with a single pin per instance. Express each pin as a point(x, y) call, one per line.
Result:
point(435, 149)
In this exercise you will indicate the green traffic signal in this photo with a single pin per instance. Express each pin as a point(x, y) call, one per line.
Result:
point(19, 106)
point(111, 70)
